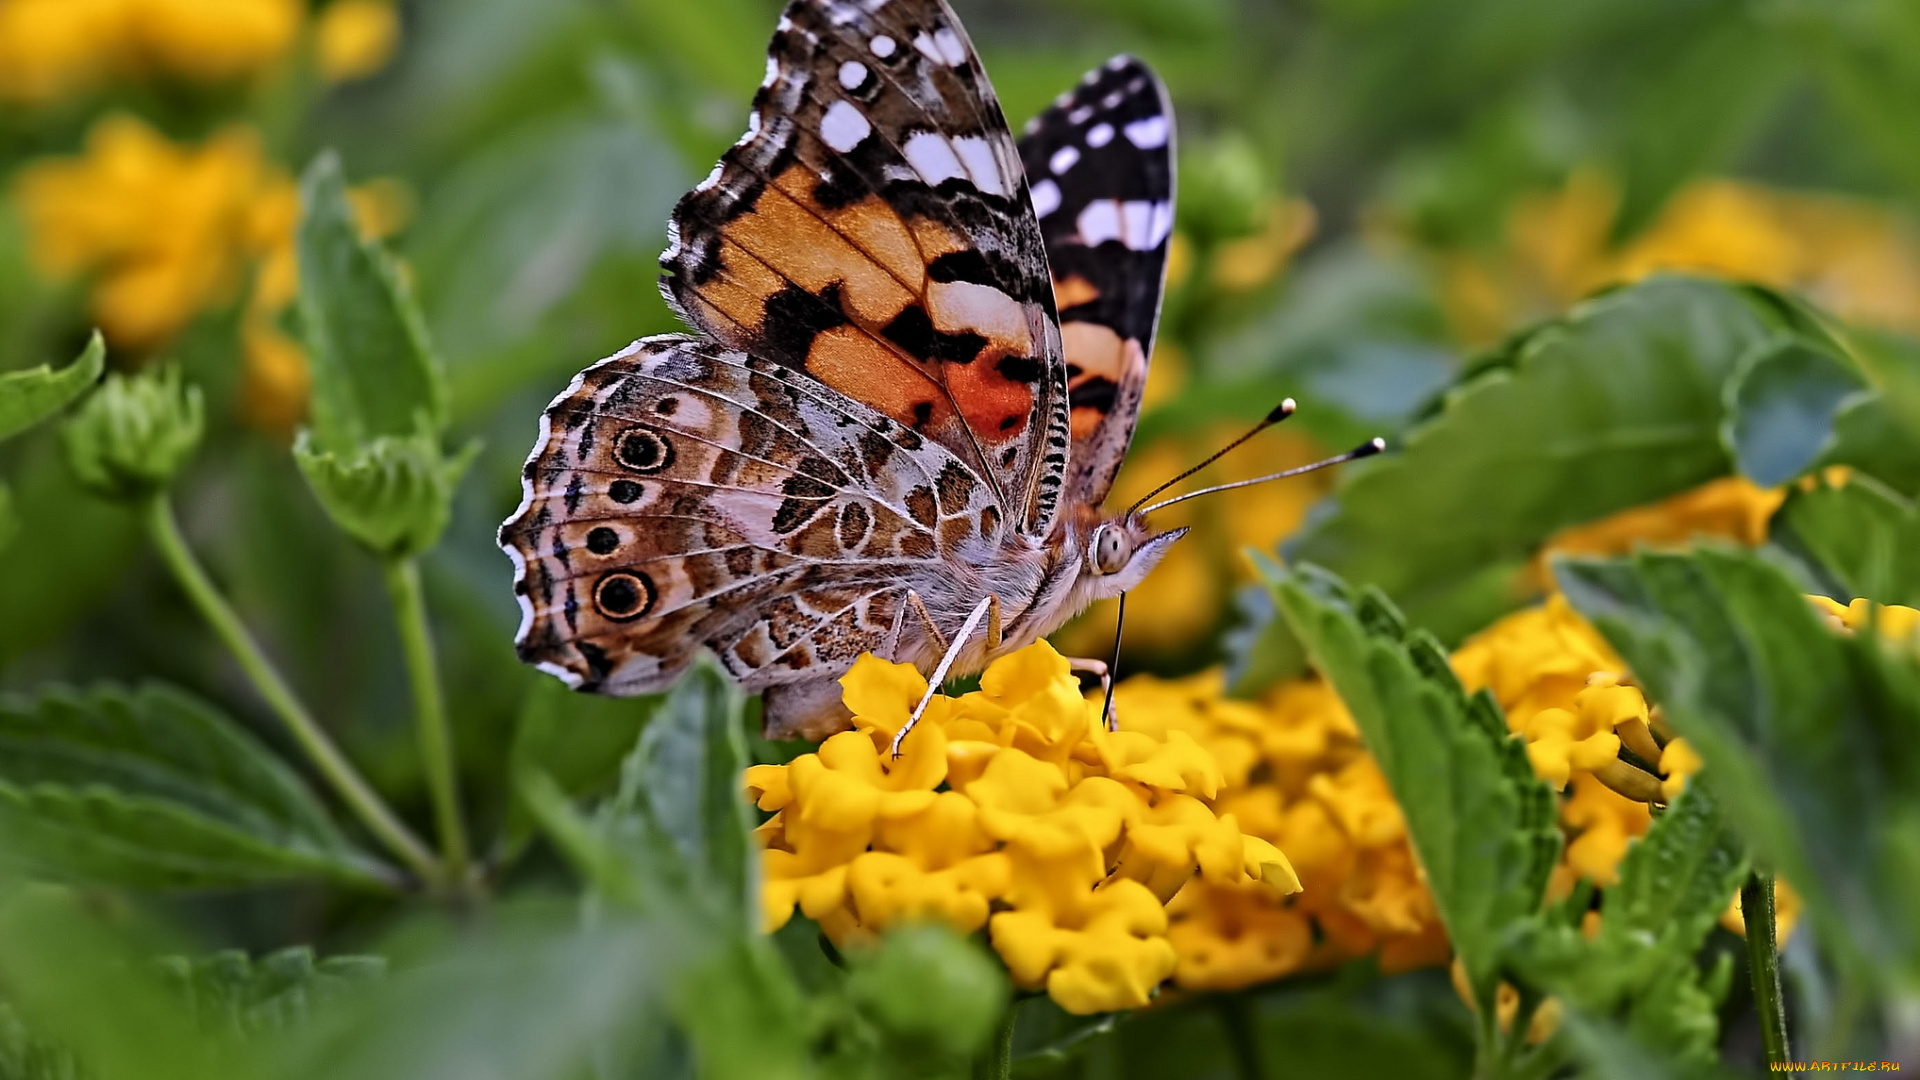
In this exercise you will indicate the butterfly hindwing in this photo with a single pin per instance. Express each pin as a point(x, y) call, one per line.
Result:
point(684, 495)
point(874, 229)
point(1100, 162)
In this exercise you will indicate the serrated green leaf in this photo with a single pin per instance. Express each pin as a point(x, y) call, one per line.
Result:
point(85, 984)
point(1811, 738)
point(681, 803)
point(374, 372)
point(1781, 407)
point(151, 788)
point(1480, 822)
point(231, 993)
point(1640, 969)
point(1857, 539)
point(28, 397)
point(1616, 405)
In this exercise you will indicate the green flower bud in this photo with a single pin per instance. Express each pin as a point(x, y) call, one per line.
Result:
point(1224, 190)
point(132, 436)
point(928, 987)
point(394, 494)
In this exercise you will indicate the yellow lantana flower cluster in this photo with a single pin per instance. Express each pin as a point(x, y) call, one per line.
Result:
point(167, 231)
point(1011, 808)
point(1296, 775)
point(51, 50)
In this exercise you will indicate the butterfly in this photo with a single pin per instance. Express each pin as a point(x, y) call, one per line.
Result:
point(919, 352)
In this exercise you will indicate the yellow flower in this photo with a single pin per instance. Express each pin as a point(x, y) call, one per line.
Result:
point(355, 38)
point(1679, 761)
point(1891, 621)
point(1856, 258)
point(1731, 508)
point(166, 231)
point(53, 49)
point(1011, 808)
point(1786, 912)
point(1250, 262)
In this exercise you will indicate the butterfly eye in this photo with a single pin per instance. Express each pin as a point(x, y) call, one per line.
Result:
point(1110, 550)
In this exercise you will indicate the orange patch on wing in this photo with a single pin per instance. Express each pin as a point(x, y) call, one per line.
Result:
point(1073, 292)
point(878, 230)
point(801, 247)
point(852, 362)
point(989, 400)
point(739, 293)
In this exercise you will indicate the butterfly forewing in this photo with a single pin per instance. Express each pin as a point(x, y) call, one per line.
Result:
point(1100, 163)
point(874, 229)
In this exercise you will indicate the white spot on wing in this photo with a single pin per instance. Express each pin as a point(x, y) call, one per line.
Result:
point(773, 73)
point(977, 155)
point(928, 49)
point(1148, 134)
point(572, 680)
point(1116, 63)
point(852, 74)
point(932, 157)
point(951, 48)
point(1099, 135)
point(1046, 198)
point(1137, 223)
point(713, 178)
point(1063, 159)
point(883, 46)
point(1112, 101)
point(1080, 115)
point(1099, 222)
point(843, 127)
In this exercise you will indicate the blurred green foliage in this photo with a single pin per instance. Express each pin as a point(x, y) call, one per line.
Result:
point(191, 887)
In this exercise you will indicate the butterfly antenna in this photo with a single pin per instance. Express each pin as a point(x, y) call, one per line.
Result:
point(1280, 412)
point(1113, 668)
point(1366, 449)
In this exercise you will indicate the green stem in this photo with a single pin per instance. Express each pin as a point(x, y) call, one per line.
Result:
point(996, 1062)
point(1236, 1017)
point(1763, 962)
point(339, 773)
point(430, 713)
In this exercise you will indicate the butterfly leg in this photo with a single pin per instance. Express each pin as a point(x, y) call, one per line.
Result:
point(919, 608)
point(939, 676)
point(1081, 665)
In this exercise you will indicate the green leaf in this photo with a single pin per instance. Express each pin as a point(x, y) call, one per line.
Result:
point(530, 992)
point(1781, 408)
point(1855, 538)
point(231, 993)
point(1614, 406)
point(28, 397)
point(84, 983)
point(151, 788)
point(374, 372)
point(932, 993)
point(681, 807)
point(577, 741)
point(1811, 738)
point(1640, 969)
point(1483, 826)
point(393, 494)
point(24, 1056)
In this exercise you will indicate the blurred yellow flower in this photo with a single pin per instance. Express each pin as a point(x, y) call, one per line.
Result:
point(1891, 621)
point(355, 38)
point(1854, 257)
point(1011, 808)
point(166, 231)
point(1731, 508)
point(1247, 263)
point(1786, 912)
point(51, 49)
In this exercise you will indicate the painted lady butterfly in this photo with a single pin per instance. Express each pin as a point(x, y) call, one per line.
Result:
point(919, 357)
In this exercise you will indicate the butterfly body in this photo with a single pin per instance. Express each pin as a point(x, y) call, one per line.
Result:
point(896, 409)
